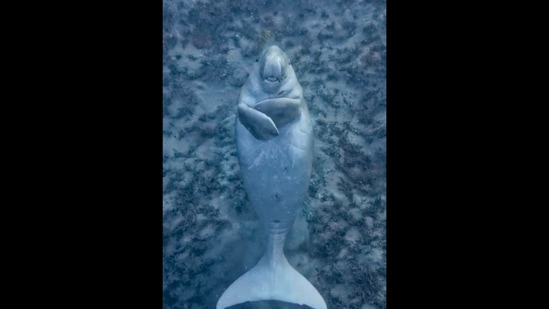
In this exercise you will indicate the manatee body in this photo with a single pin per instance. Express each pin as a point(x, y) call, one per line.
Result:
point(275, 149)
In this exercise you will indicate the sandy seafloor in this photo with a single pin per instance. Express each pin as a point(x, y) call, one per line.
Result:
point(211, 233)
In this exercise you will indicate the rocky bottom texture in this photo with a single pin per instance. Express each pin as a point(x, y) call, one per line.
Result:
point(211, 233)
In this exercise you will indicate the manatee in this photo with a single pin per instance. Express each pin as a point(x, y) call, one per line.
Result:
point(275, 150)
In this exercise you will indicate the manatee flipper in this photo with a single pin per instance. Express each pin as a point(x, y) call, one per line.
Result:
point(258, 124)
point(269, 280)
point(281, 110)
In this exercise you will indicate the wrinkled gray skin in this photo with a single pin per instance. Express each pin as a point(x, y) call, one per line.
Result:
point(274, 140)
point(275, 151)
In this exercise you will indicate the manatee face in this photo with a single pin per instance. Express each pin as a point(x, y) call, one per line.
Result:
point(273, 66)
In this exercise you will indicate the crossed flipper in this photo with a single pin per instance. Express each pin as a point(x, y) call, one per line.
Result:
point(266, 117)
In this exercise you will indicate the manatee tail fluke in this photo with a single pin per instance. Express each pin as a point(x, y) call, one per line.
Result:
point(272, 280)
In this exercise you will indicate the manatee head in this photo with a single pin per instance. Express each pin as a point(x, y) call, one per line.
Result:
point(273, 68)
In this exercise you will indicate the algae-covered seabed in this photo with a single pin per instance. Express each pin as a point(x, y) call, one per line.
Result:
point(211, 233)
